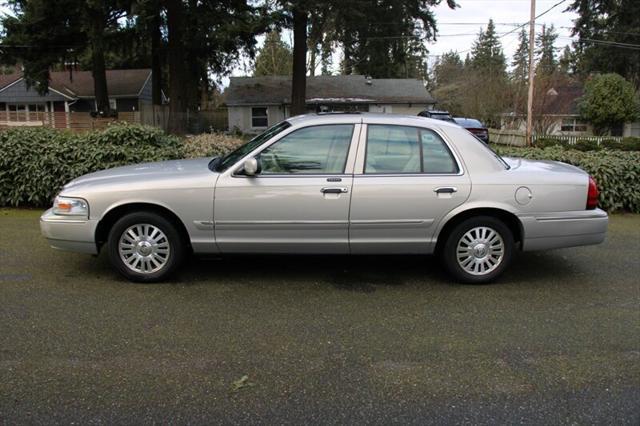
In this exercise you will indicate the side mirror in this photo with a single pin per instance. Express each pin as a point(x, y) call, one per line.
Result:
point(251, 166)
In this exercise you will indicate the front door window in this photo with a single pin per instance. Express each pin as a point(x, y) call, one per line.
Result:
point(311, 150)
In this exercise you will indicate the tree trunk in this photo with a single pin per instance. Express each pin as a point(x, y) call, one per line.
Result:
point(347, 61)
point(299, 78)
point(156, 59)
point(177, 67)
point(98, 21)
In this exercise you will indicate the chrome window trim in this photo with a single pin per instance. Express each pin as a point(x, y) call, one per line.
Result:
point(362, 149)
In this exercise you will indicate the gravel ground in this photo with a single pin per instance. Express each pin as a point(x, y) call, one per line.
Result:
point(374, 340)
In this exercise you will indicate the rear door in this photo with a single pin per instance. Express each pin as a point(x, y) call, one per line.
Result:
point(406, 179)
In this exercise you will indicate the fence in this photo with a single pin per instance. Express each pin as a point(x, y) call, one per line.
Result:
point(152, 115)
point(507, 137)
point(75, 121)
point(572, 140)
point(193, 122)
point(516, 138)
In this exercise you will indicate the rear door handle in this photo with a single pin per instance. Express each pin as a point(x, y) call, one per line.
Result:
point(445, 190)
point(334, 190)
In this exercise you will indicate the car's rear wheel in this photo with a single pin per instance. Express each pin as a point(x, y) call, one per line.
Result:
point(145, 247)
point(478, 250)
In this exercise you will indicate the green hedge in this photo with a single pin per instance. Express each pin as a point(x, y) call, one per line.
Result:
point(627, 144)
point(617, 173)
point(36, 162)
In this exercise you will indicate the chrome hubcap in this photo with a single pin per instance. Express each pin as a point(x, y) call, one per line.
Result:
point(480, 250)
point(144, 248)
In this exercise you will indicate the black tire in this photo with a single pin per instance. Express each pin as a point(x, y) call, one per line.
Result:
point(172, 258)
point(450, 256)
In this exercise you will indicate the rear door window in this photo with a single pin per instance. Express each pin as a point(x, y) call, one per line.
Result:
point(403, 149)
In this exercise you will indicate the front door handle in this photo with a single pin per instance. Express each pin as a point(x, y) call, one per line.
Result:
point(334, 190)
point(445, 190)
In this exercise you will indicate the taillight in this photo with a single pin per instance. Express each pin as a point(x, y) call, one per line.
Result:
point(592, 194)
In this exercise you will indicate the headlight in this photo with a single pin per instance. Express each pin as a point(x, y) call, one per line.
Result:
point(67, 206)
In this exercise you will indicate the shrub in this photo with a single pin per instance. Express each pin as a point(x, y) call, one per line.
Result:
point(36, 162)
point(616, 172)
point(627, 144)
point(210, 145)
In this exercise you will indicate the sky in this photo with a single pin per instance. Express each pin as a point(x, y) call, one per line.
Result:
point(472, 15)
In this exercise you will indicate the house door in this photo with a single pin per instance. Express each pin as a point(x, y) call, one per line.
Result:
point(59, 115)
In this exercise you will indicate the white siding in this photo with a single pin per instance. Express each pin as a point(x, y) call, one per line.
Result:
point(240, 117)
point(407, 109)
point(632, 129)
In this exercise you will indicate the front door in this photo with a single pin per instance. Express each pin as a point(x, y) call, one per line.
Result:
point(298, 203)
point(408, 180)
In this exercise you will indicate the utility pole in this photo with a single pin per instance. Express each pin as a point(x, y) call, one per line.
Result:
point(532, 35)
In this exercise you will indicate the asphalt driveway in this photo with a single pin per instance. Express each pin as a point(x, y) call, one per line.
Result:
point(320, 339)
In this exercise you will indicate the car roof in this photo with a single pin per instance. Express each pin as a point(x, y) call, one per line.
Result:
point(367, 117)
point(467, 120)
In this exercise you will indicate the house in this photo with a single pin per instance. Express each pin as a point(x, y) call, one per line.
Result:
point(68, 93)
point(558, 114)
point(255, 103)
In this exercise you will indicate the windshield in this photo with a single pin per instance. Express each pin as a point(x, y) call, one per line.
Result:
point(230, 159)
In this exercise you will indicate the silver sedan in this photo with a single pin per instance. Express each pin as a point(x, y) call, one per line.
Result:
point(332, 184)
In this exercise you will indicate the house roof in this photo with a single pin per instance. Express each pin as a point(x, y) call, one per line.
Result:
point(327, 89)
point(79, 84)
point(563, 100)
point(7, 79)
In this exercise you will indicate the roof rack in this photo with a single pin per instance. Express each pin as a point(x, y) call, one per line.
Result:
point(337, 112)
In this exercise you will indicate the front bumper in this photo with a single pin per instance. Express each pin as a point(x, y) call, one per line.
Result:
point(69, 233)
point(564, 229)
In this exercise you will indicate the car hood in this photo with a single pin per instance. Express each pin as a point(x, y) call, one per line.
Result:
point(144, 172)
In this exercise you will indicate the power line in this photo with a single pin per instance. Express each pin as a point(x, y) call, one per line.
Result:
point(526, 23)
point(608, 43)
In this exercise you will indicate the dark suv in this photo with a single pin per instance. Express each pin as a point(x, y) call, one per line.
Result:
point(438, 115)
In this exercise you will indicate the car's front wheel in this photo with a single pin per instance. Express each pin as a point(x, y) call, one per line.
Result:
point(478, 250)
point(145, 247)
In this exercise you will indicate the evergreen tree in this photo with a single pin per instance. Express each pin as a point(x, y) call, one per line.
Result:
point(601, 27)
point(447, 69)
point(486, 54)
point(274, 58)
point(486, 91)
point(520, 63)
point(449, 83)
point(386, 38)
point(546, 51)
point(566, 62)
point(43, 34)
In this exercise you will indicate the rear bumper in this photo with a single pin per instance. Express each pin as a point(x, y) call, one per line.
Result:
point(564, 229)
point(68, 233)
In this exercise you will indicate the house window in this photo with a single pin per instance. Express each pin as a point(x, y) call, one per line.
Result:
point(573, 125)
point(259, 117)
point(36, 112)
point(24, 112)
